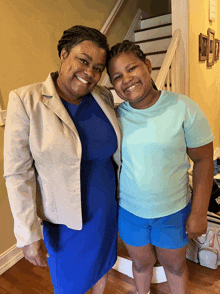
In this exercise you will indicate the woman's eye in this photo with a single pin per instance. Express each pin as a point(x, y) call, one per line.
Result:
point(83, 61)
point(98, 69)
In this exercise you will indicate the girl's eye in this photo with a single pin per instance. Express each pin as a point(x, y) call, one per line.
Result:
point(132, 68)
point(116, 78)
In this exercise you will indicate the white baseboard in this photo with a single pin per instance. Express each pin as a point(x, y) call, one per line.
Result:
point(9, 258)
point(124, 266)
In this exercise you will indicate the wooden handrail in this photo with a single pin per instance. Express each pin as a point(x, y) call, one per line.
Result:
point(111, 17)
point(160, 80)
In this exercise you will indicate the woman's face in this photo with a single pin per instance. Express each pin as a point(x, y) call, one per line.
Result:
point(80, 71)
point(131, 78)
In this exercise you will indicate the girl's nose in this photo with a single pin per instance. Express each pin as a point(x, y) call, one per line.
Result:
point(127, 78)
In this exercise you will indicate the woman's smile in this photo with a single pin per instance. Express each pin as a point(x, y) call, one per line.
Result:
point(82, 80)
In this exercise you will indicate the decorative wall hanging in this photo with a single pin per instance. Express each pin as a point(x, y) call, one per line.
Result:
point(202, 47)
point(210, 47)
point(216, 50)
point(212, 10)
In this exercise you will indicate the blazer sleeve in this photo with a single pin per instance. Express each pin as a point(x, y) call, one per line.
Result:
point(19, 173)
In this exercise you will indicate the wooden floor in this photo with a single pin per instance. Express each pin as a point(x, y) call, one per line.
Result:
point(24, 278)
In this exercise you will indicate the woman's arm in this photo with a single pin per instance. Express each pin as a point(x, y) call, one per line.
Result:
point(19, 173)
point(203, 172)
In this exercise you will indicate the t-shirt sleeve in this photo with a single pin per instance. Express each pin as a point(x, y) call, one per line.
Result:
point(196, 127)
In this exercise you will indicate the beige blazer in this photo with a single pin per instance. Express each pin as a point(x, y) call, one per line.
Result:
point(42, 154)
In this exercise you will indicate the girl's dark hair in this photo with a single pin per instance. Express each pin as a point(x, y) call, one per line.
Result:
point(127, 46)
point(77, 34)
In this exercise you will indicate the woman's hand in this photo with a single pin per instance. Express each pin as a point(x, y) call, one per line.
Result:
point(196, 225)
point(36, 253)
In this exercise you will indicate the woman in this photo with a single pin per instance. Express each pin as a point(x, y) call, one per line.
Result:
point(60, 137)
point(160, 130)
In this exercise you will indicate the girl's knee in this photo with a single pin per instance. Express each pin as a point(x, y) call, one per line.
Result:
point(143, 265)
point(175, 269)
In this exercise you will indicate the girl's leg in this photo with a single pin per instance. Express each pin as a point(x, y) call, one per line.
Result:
point(143, 260)
point(99, 287)
point(174, 263)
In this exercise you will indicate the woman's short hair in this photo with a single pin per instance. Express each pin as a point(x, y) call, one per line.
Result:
point(77, 34)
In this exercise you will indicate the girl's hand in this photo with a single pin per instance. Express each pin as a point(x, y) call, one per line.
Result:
point(196, 225)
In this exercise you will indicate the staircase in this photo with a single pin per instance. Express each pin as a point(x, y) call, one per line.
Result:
point(153, 37)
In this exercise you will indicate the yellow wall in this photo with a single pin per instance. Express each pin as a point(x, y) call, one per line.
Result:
point(204, 81)
point(29, 32)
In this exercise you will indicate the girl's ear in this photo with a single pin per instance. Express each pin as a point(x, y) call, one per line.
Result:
point(148, 63)
point(63, 55)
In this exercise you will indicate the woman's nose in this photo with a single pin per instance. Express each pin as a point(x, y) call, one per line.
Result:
point(89, 71)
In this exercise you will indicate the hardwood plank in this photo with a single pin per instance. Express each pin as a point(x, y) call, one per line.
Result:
point(25, 278)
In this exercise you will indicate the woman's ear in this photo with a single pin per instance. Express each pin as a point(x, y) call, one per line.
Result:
point(148, 63)
point(63, 55)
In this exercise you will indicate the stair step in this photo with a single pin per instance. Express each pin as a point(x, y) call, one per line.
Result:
point(161, 31)
point(154, 74)
point(156, 59)
point(155, 21)
point(151, 28)
point(154, 39)
point(159, 15)
point(157, 52)
point(152, 45)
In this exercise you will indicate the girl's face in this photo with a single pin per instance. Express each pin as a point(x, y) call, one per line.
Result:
point(80, 70)
point(131, 79)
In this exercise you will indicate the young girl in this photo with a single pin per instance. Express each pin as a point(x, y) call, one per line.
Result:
point(160, 130)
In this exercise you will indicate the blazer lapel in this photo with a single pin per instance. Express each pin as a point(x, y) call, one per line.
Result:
point(52, 100)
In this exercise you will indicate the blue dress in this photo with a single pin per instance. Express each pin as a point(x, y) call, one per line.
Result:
point(78, 259)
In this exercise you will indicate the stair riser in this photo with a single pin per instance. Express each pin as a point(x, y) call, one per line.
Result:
point(151, 22)
point(156, 60)
point(154, 74)
point(154, 33)
point(154, 46)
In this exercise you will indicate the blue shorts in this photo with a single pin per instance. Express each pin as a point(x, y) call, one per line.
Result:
point(165, 232)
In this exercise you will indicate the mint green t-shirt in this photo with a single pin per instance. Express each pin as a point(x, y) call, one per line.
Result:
point(154, 174)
